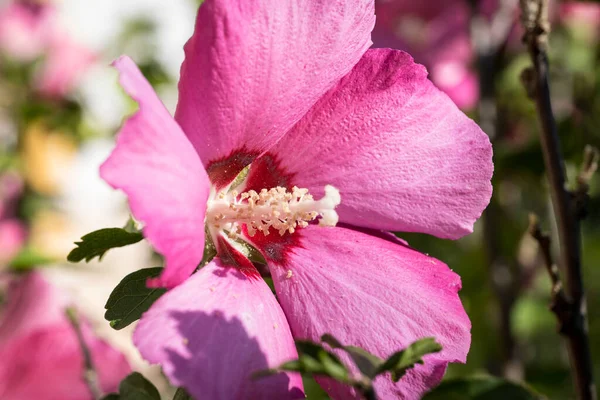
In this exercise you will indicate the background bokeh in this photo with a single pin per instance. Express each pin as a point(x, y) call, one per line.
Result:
point(60, 107)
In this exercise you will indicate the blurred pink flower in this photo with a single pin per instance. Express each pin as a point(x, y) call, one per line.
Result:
point(12, 231)
point(437, 34)
point(293, 90)
point(25, 28)
point(12, 239)
point(31, 30)
point(65, 63)
point(574, 13)
point(41, 357)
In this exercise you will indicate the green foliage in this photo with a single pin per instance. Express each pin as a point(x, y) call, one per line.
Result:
point(29, 258)
point(481, 388)
point(131, 298)
point(314, 359)
point(367, 363)
point(97, 243)
point(401, 361)
point(135, 387)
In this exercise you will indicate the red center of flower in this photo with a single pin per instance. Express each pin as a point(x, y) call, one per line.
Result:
point(223, 171)
point(267, 212)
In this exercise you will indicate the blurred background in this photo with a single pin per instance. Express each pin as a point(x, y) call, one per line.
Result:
point(60, 107)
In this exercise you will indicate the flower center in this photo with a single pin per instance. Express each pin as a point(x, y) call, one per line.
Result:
point(274, 208)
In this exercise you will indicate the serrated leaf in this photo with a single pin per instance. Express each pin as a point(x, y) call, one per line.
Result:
point(97, 243)
point(131, 298)
point(313, 359)
point(366, 362)
point(401, 361)
point(482, 388)
point(135, 387)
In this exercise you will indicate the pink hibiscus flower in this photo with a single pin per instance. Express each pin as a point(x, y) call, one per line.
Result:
point(292, 90)
point(41, 357)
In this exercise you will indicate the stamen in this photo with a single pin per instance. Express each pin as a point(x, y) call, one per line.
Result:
point(274, 208)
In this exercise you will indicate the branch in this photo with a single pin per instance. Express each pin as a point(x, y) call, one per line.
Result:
point(90, 376)
point(535, 21)
point(559, 304)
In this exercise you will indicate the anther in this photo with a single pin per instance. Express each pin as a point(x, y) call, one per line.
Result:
point(276, 208)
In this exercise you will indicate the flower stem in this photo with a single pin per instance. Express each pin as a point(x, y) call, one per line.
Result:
point(571, 312)
point(90, 376)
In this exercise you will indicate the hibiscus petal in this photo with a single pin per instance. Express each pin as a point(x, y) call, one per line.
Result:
point(253, 68)
point(31, 303)
point(158, 169)
point(213, 331)
point(372, 293)
point(402, 155)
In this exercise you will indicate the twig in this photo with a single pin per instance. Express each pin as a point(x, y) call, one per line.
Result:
point(90, 376)
point(566, 210)
point(559, 303)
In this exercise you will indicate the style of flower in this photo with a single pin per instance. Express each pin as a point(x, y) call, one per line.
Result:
point(41, 356)
point(286, 118)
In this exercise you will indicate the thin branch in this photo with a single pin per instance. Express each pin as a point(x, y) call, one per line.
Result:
point(90, 376)
point(559, 304)
point(566, 210)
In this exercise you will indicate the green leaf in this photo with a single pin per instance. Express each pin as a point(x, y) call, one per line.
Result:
point(131, 298)
point(97, 243)
point(29, 258)
point(313, 359)
point(482, 388)
point(181, 394)
point(135, 387)
point(367, 363)
point(400, 362)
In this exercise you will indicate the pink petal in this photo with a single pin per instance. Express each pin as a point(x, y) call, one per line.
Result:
point(31, 303)
point(41, 357)
point(254, 67)
point(213, 331)
point(158, 169)
point(402, 155)
point(372, 293)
